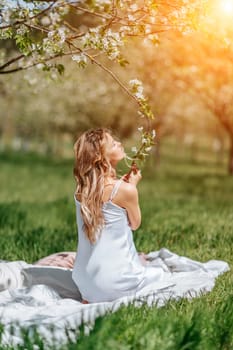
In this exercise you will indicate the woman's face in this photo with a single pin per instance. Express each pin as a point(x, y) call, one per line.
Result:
point(114, 150)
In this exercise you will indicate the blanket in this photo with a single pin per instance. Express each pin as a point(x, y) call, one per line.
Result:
point(47, 298)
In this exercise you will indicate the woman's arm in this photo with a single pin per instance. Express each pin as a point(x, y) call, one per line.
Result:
point(132, 206)
point(127, 197)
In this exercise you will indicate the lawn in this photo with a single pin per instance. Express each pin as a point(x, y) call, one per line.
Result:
point(187, 207)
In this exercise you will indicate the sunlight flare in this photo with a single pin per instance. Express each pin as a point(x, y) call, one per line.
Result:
point(227, 6)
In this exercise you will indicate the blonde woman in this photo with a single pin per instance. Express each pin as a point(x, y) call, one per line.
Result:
point(107, 265)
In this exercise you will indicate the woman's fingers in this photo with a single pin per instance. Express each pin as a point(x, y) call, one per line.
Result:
point(135, 178)
point(134, 175)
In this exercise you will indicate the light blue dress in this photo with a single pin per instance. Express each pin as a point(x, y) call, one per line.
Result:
point(111, 268)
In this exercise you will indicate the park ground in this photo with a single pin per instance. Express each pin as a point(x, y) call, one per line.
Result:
point(187, 207)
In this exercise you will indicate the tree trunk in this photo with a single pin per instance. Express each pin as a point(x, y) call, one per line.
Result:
point(227, 124)
point(230, 167)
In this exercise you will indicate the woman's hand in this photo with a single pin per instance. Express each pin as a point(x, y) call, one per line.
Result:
point(134, 177)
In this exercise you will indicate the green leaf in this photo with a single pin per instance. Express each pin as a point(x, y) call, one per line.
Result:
point(60, 68)
point(6, 33)
point(122, 61)
point(46, 68)
point(23, 43)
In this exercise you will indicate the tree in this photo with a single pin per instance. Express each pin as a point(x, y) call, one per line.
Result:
point(205, 68)
point(41, 32)
point(62, 108)
point(175, 110)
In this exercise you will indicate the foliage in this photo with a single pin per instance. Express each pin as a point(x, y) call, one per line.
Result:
point(41, 33)
point(37, 112)
point(147, 142)
point(45, 30)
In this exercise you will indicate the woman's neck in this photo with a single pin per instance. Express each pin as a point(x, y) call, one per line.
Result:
point(109, 179)
point(113, 174)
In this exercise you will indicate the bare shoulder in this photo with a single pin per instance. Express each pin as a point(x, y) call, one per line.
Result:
point(127, 192)
point(127, 197)
point(128, 188)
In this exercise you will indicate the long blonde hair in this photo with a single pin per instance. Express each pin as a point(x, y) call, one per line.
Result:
point(90, 170)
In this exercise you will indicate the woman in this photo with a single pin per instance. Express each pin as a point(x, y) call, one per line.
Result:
point(107, 265)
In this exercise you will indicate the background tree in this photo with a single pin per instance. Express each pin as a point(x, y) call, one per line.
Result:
point(43, 31)
point(179, 113)
point(206, 70)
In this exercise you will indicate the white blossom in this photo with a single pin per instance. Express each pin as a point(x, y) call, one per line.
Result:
point(55, 17)
point(107, 42)
point(6, 16)
point(137, 88)
point(148, 29)
point(134, 149)
point(45, 21)
point(153, 133)
point(39, 65)
point(79, 58)
point(113, 55)
point(51, 34)
point(147, 149)
point(139, 95)
point(134, 7)
point(61, 32)
point(102, 3)
point(154, 37)
point(131, 18)
point(140, 114)
point(125, 29)
point(135, 82)
point(153, 19)
point(144, 140)
point(21, 30)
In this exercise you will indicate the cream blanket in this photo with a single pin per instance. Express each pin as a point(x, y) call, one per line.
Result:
point(46, 297)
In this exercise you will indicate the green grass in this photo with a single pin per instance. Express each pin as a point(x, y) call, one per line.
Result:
point(186, 207)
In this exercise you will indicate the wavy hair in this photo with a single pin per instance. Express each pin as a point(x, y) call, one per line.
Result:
point(90, 170)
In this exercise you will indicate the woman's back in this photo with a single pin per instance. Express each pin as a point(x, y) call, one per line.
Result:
point(110, 267)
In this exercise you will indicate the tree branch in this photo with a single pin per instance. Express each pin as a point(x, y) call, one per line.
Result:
point(10, 62)
point(97, 14)
point(30, 18)
point(35, 63)
point(107, 70)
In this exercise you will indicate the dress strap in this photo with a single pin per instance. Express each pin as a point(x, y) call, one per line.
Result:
point(115, 189)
